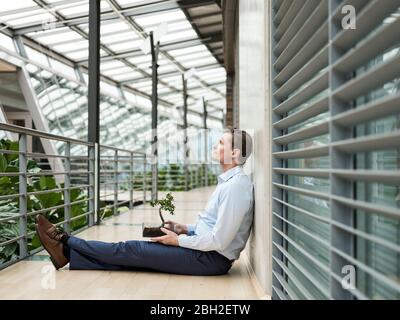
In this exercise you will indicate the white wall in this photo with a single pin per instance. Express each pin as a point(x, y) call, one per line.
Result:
point(253, 77)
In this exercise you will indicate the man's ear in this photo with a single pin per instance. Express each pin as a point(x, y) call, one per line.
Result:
point(236, 153)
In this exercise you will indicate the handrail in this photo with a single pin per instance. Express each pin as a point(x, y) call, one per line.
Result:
point(125, 179)
point(41, 134)
point(77, 172)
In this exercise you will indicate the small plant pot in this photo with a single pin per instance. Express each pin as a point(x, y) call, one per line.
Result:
point(150, 230)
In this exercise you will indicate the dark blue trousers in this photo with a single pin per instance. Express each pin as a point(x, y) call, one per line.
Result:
point(144, 255)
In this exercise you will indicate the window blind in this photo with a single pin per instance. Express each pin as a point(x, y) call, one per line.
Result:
point(336, 149)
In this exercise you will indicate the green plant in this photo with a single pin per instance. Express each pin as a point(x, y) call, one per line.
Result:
point(10, 207)
point(165, 204)
point(8, 230)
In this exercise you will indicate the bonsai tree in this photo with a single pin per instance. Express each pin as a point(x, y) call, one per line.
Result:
point(165, 204)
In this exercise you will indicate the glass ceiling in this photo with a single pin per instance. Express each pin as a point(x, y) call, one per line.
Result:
point(62, 27)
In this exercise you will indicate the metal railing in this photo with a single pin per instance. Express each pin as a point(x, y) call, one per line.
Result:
point(173, 178)
point(62, 187)
point(120, 183)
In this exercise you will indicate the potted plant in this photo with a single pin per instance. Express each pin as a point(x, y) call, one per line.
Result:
point(165, 204)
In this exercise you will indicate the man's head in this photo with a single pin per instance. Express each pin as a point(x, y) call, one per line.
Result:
point(234, 147)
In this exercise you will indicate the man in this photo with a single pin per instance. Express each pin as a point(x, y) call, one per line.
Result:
point(207, 248)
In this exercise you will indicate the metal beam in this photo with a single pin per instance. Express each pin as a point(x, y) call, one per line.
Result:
point(194, 20)
point(128, 32)
point(153, 8)
point(173, 45)
point(62, 58)
point(134, 26)
point(172, 73)
point(154, 100)
point(140, 31)
point(230, 26)
point(94, 96)
point(185, 136)
point(106, 79)
point(193, 88)
point(138, 10)
point(32, 9)
point(205, 142)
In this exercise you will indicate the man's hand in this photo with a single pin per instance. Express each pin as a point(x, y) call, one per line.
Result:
point(170, 238)
point(176, 227)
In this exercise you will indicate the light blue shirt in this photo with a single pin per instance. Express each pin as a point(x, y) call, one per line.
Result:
point(224, 225)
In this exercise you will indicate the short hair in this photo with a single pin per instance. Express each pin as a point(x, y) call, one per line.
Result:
point(241, 140)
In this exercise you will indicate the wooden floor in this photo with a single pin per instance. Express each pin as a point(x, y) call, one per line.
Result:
point(35, 278)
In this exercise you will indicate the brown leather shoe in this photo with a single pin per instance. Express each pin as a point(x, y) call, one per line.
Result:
point(52, 231)
point(53, 247)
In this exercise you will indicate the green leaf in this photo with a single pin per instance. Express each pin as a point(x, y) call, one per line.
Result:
point(32, 166)
point(76, 194)
point(35, 243)
point(4, 181)
point(10, 249)
point(14, 146)
point(50, 199)
point(77, 210)
point(3, 163)
point(7, 210)
point(47, 183)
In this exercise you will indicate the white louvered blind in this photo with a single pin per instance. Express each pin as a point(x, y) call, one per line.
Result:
point(336, 149)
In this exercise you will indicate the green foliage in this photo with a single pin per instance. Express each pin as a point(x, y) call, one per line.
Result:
point(8, 230)
point(10, 207)
point(165, 204)
point(172, 178)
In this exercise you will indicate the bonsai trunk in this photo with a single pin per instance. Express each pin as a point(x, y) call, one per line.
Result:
point(161, 217)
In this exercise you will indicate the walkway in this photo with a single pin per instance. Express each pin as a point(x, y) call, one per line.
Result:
point(35, 278)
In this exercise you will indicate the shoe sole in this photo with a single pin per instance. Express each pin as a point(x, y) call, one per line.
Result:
point(51, 258)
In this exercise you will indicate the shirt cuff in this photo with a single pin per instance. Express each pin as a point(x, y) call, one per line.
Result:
point(190, 228)
point(183, 241)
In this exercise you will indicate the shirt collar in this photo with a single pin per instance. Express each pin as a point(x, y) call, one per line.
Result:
point(223, 177)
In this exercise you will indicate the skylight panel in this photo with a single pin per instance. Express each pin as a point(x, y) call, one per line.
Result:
point(193, 56)
point(57, 38)
point(77, 9)
point(189, 50)
point(72, 46)
point(115, 37)
point(6, 42)
point(62, 68)
point(20, 20)
point(17, 5)
point(126, 76)
point(118, 71)
point(175, 36)
point(37, 56)
point(78, 55)
point(167, 68)
point(199, 62)
point(127, 45)
point(117, 25)
point(131, 3)
point(154, 19)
